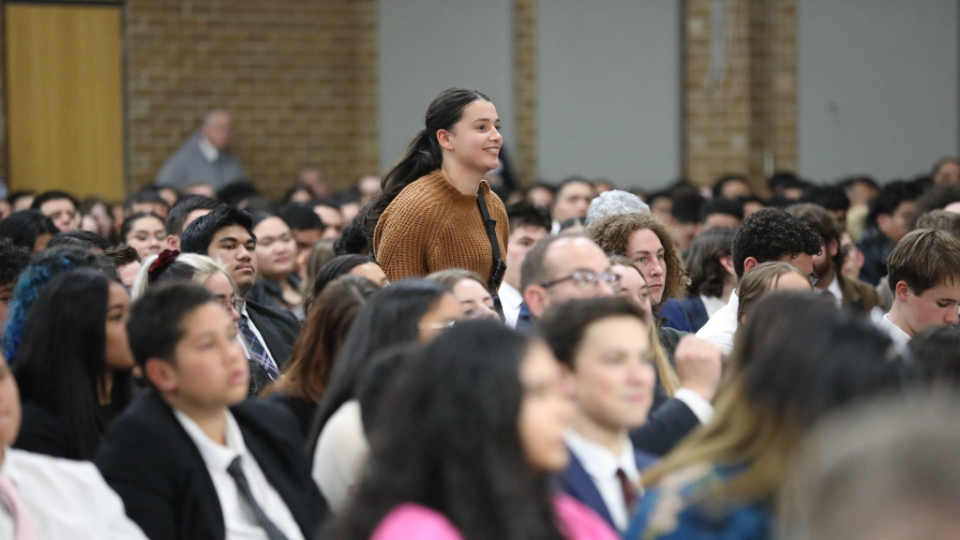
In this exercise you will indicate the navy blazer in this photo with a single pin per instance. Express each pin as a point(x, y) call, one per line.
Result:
point(576, 482)
point(152, 463)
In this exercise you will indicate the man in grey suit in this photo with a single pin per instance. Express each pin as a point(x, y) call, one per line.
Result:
point(204, 158)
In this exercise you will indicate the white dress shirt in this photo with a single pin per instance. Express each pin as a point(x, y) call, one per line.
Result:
point(342, 451)
point(208, 150)
point(238, 519)
point(66, 499)
point(712, 304)
point(511, 299)
point(602, 467)
point(721, 328)
point(898, 335)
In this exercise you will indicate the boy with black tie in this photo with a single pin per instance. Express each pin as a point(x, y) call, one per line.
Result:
point(189, 459)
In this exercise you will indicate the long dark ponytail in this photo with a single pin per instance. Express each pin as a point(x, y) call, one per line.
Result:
point(422, 156)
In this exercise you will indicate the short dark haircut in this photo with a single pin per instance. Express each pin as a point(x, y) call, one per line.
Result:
point(235, 193)
point(534, 270)
point(564, 325)
point(300, 217)
point(938, 197)
point(80, 239)
point(784, 180)
point(744, 199)
point(686, 208)
point(833, 198)
point(720, 205)
point(23, 227)
point(13, 259)
point(53, 195)
point(120, 255)
point(199, 234)
point(524, 214)
point(822, 223)
point(144, 196)
point(726, 179)
point(848, 182)
point(331, 203)
point(156, 318)
point(352, 240)
point(890, 197)
point(186, 204)
point(18, 194)
point(770, 234)
point(924, 259)
point(658, 195)
point(127, 224)
point(335, 268)
point(541, 185)
point(572, 180)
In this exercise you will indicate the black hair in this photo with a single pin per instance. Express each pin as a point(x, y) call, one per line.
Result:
point(542, 185)
point(448, 438)
point(61, 363)
point(769, 234)
point(120, 256)
point(328, 202)
point(890, 197)
point(237, 192)
point(658, 195)
point(572, 180)
point(707, 274)
point(726, 179)
point(53, 195)
point(781, 180)
point(686, 208)
point(80, 239)
point(128, 222)
point(13, 259)
point(23, 227)
point(145, 196)
point(728, 207)
point(391, 317)
point(848, 182)
point(300, 217)
point(185, 205)
point(832, 198)
point(257, 217)
point(294, 190)
point(20, 193)
point(156, 319)
point(375, 383)
point(524, 214)
point(938, 197)
point(196, 238)
point(564, 325)
point(422, 157)
point(744, 199)
point(352, 241)
point(337, 267)
point(573, 222)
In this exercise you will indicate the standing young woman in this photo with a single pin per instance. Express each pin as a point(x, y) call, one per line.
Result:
point(74, 364)
point(429, 214)
point(464, 443)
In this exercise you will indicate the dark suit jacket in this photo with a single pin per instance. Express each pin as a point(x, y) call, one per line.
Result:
point(150, 461)
point(280, 330)
point(576, 482)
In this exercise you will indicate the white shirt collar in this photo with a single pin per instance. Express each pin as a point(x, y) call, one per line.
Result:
point(598, 461)
point(834, 289)
point(216, 456)
point(209, 151)
point(712, 304)
point(897, 334)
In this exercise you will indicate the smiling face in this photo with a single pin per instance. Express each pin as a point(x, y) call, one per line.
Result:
point(474, 142)
point(646, 251)
point(148, 236)
point(235, 248)
point(276, 249)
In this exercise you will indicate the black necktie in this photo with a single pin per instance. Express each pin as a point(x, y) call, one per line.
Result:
point(236, 471)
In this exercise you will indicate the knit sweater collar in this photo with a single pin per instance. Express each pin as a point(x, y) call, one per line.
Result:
point(438, 179)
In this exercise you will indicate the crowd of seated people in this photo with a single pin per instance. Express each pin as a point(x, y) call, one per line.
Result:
point(202, 362)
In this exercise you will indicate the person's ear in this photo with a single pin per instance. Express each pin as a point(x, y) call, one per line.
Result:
point(161, 374)
point(445, 139)
point(901, 291)
point(748, 264)
point(173, 242)
point(833, 248)
point(727, 263)
point(536, 299)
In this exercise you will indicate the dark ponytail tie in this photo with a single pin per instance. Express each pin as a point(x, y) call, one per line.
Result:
point(165, 259)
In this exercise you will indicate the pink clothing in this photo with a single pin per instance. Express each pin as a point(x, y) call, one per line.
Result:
point(413, 521)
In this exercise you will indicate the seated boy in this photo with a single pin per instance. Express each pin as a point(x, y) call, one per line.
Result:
point(189, 459)
point(604, 347)
point(924, 272)
point(45, 498)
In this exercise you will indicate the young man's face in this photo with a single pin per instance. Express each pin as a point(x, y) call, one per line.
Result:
point(934, 307)
point(613, 375)
point(896, 225)
point(521, 240)
point(573, 200)
point(63, 214)
point(235, 248)
point(209, 370)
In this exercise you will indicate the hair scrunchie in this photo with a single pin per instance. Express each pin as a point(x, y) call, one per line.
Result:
point(163, 260)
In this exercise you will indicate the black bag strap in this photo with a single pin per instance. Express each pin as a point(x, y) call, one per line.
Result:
point(499, 267)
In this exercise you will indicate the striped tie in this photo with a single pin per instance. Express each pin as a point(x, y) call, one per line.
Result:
point(258, 351)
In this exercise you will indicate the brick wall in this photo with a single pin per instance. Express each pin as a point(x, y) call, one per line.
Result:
point(525, 88)
point(300, 78)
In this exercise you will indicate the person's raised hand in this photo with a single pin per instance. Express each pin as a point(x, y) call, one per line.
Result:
point(698, 366)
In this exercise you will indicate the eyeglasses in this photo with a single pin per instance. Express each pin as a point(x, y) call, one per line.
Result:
point(585, 277)
point(437, 325)
point(228, 305)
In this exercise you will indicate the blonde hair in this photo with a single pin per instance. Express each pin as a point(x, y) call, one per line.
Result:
point(451, 276)
point(203, 268)
point(759, 281)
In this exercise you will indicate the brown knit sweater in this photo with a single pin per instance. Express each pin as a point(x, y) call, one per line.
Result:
point(431, 226)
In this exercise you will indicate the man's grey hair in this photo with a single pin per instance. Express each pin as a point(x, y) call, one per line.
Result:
point(614, 202)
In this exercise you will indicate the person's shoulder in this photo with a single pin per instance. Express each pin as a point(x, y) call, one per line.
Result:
point(578, 521)
point(411, 520)
point(66, 473)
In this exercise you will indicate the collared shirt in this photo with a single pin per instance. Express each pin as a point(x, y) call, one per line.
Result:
point(712, 304)
point(721, 328)
point(238, 520)
point(898, 335)
point(208, 150)
point(602, 467)
point(511, 300)
point(256, 331)
point(65, 499)
point(834, 289)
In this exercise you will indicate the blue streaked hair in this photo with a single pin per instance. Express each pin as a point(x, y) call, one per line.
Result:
point(44, 266)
